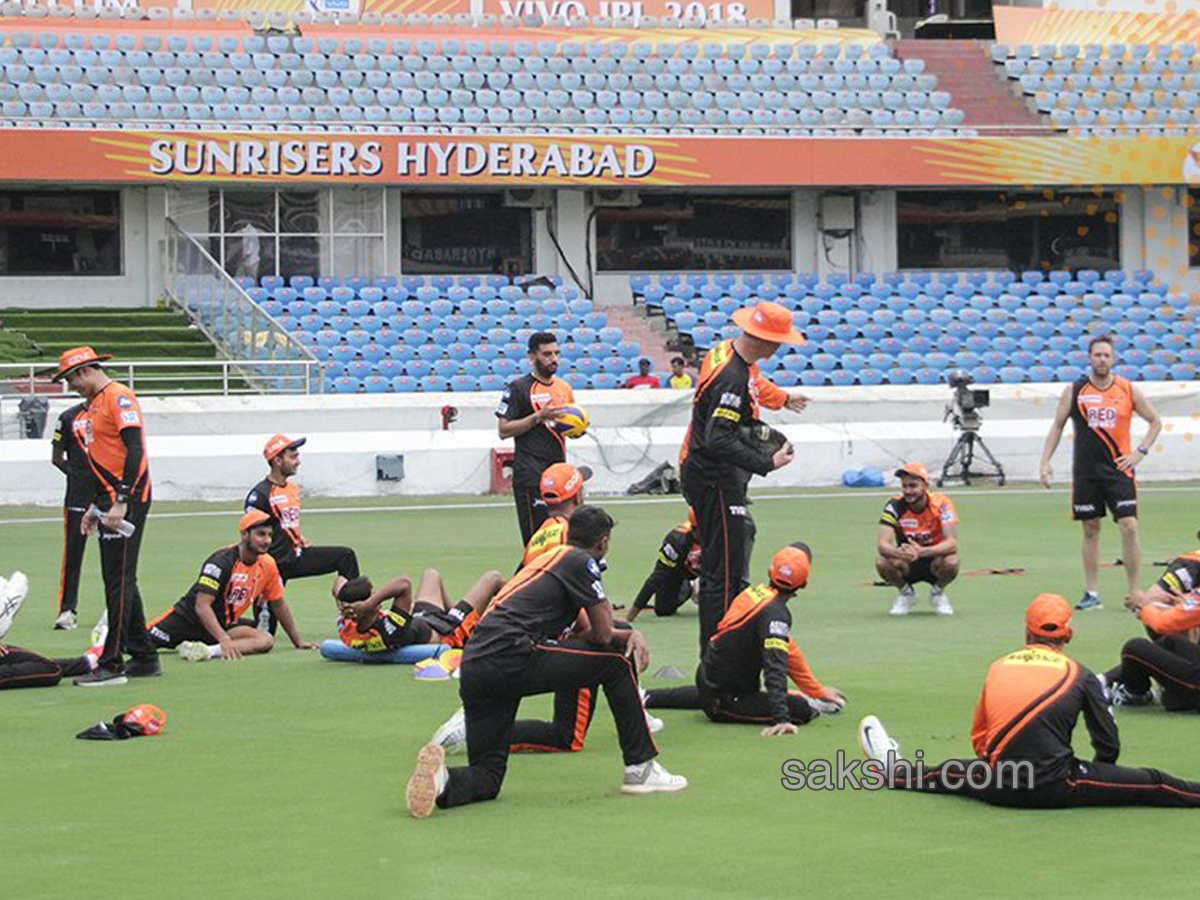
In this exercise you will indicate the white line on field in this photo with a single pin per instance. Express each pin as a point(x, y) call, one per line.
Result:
point(607, 501)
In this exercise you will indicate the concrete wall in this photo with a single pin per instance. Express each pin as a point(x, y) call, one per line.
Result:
point(211, 448)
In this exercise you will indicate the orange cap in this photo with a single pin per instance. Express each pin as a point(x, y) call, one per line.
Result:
point(915, 469)
point(562, 481)
point(252, 517)
point(769, 322)
point(790, 567)
point(147, 719)
point(1049, 615)
point(70, 360)
point(278, 443)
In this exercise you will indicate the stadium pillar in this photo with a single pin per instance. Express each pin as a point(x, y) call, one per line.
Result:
point(804, 230)
point(567, 221)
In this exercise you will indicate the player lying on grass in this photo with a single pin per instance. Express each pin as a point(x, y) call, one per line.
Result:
point(427, 618)
point(672, 582)
point(918, 541)
point(745, 669)
point(23, 668)
point(1170, 610)
point(516, 651)
point(1029, 706)
point(207, 621)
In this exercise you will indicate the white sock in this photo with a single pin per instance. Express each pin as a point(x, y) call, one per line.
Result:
point(439, 780)
point(93, 660)
point(214, 651)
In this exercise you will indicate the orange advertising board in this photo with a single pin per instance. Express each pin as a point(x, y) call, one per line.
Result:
point(1022, 25)
point(591, 161)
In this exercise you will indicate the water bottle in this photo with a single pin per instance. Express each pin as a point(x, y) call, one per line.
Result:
point(124, 528)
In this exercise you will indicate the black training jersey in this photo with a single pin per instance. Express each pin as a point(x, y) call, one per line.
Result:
point(1182, 575)
point(670, 567)
point(390, 629)
point(235, 585)
point(538, 603)
point(282, 504)
point(540, 446)
point(750, 649)
point(1101, 419)
point(69, 440)
point(1028, 708)
point(726, 399)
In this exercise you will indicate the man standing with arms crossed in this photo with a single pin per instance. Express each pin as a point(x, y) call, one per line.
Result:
point(528, 407)
point(718, 460)
point(1100, 405)
point(115, 441)
point(70, 458)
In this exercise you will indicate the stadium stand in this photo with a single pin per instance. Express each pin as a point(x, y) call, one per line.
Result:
point(437, 333)
point(913, 327)
point(1100, 87)
point(278, 82)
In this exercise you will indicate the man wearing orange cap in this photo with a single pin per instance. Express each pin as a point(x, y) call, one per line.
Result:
point(918, 541)
point(1170, 610)
point(1030, 703)
point(744, 673)
point(279, 497)
point(561, 487)
point(207, 621)
point(718, 458)
point(670, 582)
point(115, 441)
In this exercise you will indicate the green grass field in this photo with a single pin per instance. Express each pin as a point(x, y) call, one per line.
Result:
point(282, 776)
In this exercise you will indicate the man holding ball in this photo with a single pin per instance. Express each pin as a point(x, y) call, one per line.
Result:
point(527, 412)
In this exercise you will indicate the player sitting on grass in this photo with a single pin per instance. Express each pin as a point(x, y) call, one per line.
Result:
point(427, 619)
point(23, 668)
point(753, 648)
point(561, 486)
point(1027, 710)
point(207, 621)
point(672, 582)
point(1170, 610)
point(918, 541)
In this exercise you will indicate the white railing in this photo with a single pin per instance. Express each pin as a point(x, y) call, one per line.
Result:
point(184, 376)
point(260, 350)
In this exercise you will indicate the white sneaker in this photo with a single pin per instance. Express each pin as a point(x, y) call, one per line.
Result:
point(940, 602)
point(876, 743)
point(427, 782)
point(194, 651)
point(452, 736)
point(13, 594)
point(651, 778)
point(904, 602)
point(66, 621)
point(654, 723)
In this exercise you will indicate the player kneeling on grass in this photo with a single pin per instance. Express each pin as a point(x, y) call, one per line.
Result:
point(672, 581)
point(427, 619)
point(753, 649)
point(1170, 610)
point(1030, 703)
point(207, 621)
point(918, 541)
point(515, 651)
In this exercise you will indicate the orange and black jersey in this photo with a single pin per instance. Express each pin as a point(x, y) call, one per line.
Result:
point(282, 504)
point(394, 628)
point(69, 438)
point(923, 528)
point(235, 585)
point(553, 533)
point(1182, 579)
point(727, 398)
point(540, 446)
point(670, 567)
point(539, 603)
point(1028, 708)
point(753, 649)
point(115, 440)
point(1101, 419)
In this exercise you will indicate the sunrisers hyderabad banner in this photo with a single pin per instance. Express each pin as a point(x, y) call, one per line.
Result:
point(593, 161)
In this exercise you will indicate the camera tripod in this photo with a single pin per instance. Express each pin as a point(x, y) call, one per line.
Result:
point(963, 455)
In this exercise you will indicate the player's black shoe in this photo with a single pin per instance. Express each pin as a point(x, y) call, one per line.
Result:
point(101, 678)
point(144, 668)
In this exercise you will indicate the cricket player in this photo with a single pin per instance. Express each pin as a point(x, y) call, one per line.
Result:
point(918, 541)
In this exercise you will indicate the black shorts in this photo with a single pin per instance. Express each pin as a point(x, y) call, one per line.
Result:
point(172, 628)
point(452, 626)
point(920, 570)
point(1091, 496)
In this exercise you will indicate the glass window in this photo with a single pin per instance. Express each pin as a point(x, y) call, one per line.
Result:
point(1021, 231)
point(299, 212)
point(356, 212)
point(719, 231)
point(472, 232)
point(60, 233)
point(1192, 202)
